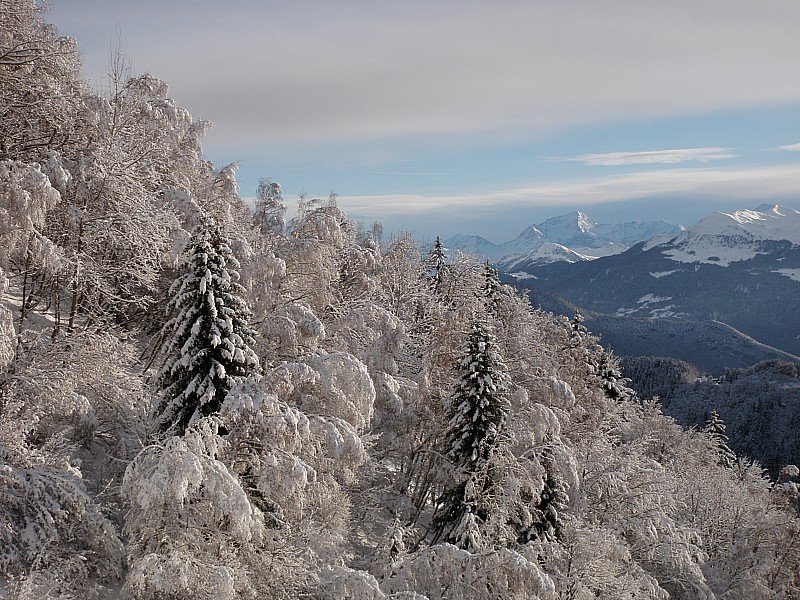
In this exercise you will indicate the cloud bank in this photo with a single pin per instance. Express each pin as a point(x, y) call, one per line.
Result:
point(292, 72)
point(764, 183)
point(650, 157)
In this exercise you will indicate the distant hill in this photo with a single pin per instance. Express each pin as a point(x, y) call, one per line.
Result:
point(760, 405)
point(741, 269)
point(712, 346)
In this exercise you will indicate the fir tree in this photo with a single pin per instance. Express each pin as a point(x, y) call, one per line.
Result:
point(478, 411)
point(491, 289)
point(479, 402)
point(614, 383)
point(578, 328)
point(207, 342)
point(437, 263)
point(553, 501)
point(714, 428)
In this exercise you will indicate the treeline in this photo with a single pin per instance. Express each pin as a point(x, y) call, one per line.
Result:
point(199, 400)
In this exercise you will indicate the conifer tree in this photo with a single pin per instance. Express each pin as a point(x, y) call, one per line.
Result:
point(614, 383)
point(437, 267)
point(578, 328)
point(477, 416)
point(714, 428)
point(491, 289)
point(553, 500)
point(207, 341)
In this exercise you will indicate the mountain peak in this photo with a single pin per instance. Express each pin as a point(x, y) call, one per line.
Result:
point(768, 222)
point(723, 238)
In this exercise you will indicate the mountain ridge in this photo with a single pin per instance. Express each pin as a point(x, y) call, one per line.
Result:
point(574, 231)
point(731, 268)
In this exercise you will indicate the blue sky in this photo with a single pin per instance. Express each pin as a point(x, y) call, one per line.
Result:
point(477, 117)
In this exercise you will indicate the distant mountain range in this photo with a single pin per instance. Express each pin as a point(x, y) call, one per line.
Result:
point(740, 268)
point(555, 237)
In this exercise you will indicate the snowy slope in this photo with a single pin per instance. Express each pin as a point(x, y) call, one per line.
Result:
point(546, 253)
point(529, 240)
point(573, 231)
point(473, 244)
point(741, 268)
point(724, 238)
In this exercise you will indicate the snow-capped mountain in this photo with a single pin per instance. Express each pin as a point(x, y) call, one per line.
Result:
point(741, 268)
point(573, 231)
point(473, 244)
point(723, 238)
point(544, 254)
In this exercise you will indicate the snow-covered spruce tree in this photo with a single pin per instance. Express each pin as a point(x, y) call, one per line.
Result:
point(207, 341)
point(478, 412)
point(491, 289)
point(615, 385)
point(437, 268)
point(714, 428)
point(553, 501)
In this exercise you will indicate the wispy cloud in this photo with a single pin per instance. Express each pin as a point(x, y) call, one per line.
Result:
point(765, 183)
point(789, 148)
point(652, 157)
point(414, 173)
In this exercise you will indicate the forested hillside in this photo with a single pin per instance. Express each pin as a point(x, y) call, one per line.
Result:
point(760, 405)
point(199, 400)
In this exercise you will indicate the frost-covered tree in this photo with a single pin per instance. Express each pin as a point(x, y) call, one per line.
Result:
point(437, 267)
point(39, 84)
point(478, 412)
point(715, 430)
point(614, 383)
point(578, 328)
point(270, 211)
point(479, 403)
point(192, 531)
point(548, 518)
point(207, 341)
point(491, 289)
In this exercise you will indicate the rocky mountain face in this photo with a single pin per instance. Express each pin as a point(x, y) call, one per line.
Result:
point(740, 268)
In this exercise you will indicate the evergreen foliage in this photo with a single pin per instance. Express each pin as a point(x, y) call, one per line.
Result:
point(491, 289)
point(614, 383)
point(578, 328)
point(207, 341)
point(479, 403)
point(714, 428)
point(549, 515)
point(478, 411)
point(437, 268)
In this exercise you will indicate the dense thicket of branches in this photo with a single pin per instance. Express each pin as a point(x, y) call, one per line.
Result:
point(352, 390)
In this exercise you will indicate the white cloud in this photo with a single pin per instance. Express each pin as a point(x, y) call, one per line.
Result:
point(649, 157)
point(790, 148)
point(763, 183)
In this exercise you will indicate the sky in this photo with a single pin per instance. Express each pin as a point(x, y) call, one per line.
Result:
point(461, 116)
